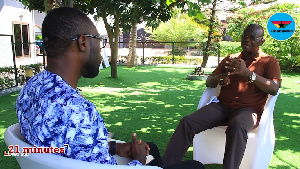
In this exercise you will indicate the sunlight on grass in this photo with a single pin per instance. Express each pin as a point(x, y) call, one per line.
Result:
point(282, 138)
point(149, 84)
point(151, 100)
point(171, 130)
point(145, 130)
point(119, 124)
point(291, 114)
point(285, 159)
point(190, 149)
point(168, 105)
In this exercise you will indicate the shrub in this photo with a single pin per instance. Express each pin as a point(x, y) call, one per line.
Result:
point(227, 48)
point(8, 79)
point(169, 60)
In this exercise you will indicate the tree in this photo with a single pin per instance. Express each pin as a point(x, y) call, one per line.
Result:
point(116, 14)
point(149, 11)
point(198, 8)
point(126, 14)
point(179, 28)
point(45, 5)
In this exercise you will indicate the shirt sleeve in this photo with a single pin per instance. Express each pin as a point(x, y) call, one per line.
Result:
point(273, 71)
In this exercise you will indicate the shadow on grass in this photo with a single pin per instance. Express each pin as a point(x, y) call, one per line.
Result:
point(8, 117)
point(151, 100)
point(287, 123)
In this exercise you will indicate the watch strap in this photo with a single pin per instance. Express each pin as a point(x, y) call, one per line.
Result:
point(112, 149)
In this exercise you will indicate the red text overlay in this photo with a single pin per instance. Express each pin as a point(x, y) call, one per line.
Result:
point(14, 150)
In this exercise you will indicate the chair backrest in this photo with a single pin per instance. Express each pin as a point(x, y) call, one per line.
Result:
point(12, 136)
point(266, 121)
point(264, 135)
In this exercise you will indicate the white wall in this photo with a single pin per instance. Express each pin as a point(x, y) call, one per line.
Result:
point(13, 11)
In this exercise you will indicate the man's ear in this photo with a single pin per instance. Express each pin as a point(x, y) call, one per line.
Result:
point(82, 43)
point(262, 41)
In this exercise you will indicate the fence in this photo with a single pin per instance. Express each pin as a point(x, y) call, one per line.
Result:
point(149, 52)
point(11, 73)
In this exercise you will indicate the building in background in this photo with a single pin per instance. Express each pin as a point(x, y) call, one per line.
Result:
point(22, 24)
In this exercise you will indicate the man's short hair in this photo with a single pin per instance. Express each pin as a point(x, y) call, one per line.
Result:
point(256, 26)
point(60, 26)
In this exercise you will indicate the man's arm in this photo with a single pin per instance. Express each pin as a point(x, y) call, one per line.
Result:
point(265, 85)
point(221, 79)
point(269, 86)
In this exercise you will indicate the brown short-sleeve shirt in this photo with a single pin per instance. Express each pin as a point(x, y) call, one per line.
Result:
point(240, 93)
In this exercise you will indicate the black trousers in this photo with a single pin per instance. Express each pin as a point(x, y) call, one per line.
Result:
point(180, 165)
point(239, 121)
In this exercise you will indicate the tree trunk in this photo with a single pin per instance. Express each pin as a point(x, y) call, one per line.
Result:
point(113, 36)
point(131, 60)
point(70, 3)
point(210, 32)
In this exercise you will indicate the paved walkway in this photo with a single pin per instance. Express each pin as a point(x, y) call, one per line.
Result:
point(10, 90)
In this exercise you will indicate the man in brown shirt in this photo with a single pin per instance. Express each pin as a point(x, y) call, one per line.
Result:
point(246, 79)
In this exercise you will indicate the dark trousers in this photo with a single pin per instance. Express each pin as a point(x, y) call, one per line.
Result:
point(180, 165)
point(239, 121)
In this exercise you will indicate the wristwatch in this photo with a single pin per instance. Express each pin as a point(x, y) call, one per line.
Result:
point(252, 77)
point(112, 149)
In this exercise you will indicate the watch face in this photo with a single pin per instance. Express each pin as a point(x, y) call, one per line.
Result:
point(253, 77)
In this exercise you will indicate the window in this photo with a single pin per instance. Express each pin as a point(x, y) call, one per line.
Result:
point(21, 39)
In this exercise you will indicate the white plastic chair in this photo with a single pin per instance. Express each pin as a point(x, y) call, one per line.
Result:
point(12, 136)
point(209, 145)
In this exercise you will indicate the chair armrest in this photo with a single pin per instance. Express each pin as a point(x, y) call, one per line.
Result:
point(207, 95)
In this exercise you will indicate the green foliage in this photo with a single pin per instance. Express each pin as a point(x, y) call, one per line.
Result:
point(179, 28)
point(227, 48)
point(169, 60)
point(38, 37)
point(288, 51)
point(177, 51)
point(7, 75)
point(246, 16)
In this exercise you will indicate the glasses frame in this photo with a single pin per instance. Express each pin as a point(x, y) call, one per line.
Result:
point(253, 39)
point(101, 38)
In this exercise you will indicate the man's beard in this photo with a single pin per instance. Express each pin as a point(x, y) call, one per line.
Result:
point(92, 66)
point(92, 70)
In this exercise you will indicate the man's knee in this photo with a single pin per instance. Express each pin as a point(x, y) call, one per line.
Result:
point(237, 128)
point(185, 120)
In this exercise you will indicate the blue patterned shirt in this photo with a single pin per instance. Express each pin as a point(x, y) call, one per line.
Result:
point(52, 113)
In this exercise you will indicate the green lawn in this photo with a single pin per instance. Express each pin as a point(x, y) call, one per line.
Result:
point(150, 100)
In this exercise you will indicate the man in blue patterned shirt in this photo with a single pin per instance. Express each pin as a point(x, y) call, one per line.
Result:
point(51, 112)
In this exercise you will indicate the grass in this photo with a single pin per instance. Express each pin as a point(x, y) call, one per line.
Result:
point(151, 100)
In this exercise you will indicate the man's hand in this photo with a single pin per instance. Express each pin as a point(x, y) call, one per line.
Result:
point(223, 79)
point(124, 149)
point(139, 149)
point(238, 66)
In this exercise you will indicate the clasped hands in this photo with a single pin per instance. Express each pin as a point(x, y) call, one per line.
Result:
point(136, 149)
point(233, 66)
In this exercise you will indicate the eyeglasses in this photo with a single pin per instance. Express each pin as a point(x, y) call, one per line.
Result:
point(100, 38)
point(251, 37)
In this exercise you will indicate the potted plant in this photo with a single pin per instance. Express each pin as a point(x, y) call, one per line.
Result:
point(197, 74)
